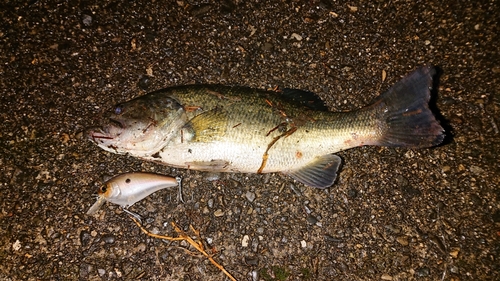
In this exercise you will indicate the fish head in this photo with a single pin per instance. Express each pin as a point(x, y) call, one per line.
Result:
point(140, 127)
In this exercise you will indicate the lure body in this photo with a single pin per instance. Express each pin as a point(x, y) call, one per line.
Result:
point(127, 189)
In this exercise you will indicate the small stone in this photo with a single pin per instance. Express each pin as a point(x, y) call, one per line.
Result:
point(267, 47)
point(87, 20)
point(145, 82)
point(212, 176)
point(446, 169)
point(255, 275)
point(16, 246)
point(423, 272)
point(403, 240)
point(386, 276)
point(253, 261)
point(209, 240)
point(219, 213)
point(296, 36)
point(141, 247)
point(454, 269)
point(108, 238)
point(311, 219)
point(84, 238)
point(303, 243)
point(244, 241)
point(250, 196)
point(476, 170)
point(461, 168)
point(454, 252)
point(101, 272)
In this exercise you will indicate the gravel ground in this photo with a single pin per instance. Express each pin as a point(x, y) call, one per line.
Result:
point(393, 214)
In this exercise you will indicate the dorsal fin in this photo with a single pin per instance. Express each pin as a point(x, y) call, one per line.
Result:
point(209, 125)
point(304, 98)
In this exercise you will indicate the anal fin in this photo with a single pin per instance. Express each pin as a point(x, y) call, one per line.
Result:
point(319, 173)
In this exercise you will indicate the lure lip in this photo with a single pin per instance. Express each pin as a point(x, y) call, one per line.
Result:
point(95, 207)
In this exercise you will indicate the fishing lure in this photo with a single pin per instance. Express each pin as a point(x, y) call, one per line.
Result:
point(127, 189)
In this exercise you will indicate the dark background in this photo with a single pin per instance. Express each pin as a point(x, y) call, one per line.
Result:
point(393, 214)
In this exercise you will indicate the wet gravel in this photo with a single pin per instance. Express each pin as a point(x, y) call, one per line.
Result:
point(393, 214)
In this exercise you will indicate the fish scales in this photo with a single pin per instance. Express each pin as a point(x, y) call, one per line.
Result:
point(239, 129)
point(252, 115)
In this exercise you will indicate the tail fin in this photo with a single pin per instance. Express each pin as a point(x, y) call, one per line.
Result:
point(405, 109)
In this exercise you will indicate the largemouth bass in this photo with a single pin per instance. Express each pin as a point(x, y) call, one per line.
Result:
point(237, 129)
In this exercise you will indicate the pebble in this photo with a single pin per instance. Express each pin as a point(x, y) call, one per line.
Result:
point(87, 20)
point(386, 276)
point(85, 269)
point(84, 238)
point(250, 196)
point(403, 240)
point(108, 238)
point(267, 47)
point(454, 269)
point(244, 241)
point(141, 247)
point(454, 252)
point(144, 82)
point(476, 170)
point(311, 219)
point(296, 36)
point(252, 261)
point(352, 193)
point(255, 275)
point(219, 213)
point(209, 240)
point(212, 176)
point(423, 272)
point(101, 272)
point(294, 188)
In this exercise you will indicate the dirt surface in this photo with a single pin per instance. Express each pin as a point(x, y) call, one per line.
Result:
point(393, 214)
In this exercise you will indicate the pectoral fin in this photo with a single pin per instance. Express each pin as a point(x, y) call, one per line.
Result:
point(208, 126)
point(319, 173)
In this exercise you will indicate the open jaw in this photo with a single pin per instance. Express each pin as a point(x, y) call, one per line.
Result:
point(109, 131)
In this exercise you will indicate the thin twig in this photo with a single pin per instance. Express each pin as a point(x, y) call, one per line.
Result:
point(198, 245)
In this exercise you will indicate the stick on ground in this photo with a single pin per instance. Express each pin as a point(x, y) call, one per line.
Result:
point(198, 245)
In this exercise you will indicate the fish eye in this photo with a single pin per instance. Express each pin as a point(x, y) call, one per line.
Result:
point(103, 189)
point(118, 109)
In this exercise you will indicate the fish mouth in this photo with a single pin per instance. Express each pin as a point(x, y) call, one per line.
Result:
point(106, 132)
point(97, 133)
